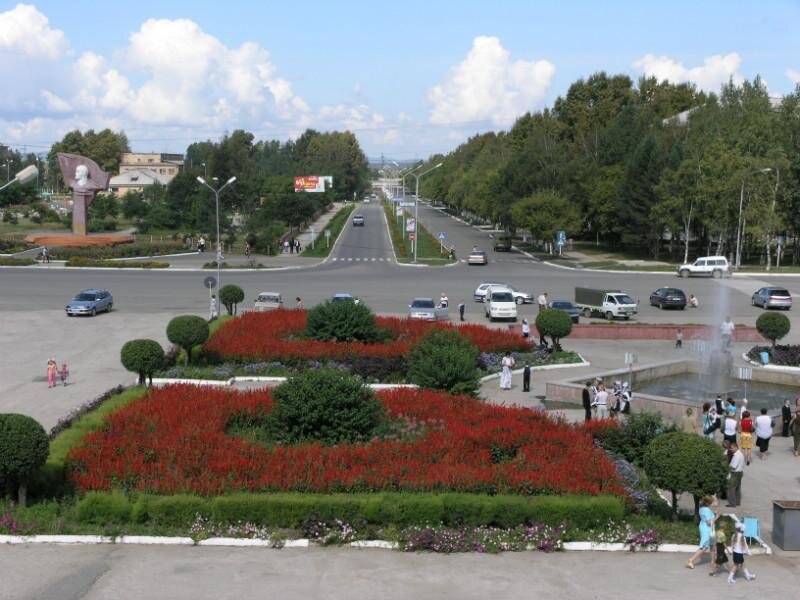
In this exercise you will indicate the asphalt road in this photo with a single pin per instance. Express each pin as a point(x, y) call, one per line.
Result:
point(362, 263)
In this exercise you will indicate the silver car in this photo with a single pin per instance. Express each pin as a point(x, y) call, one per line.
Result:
point(772, 297)
point(426, 309)
point(90, 302)
point(479, 295)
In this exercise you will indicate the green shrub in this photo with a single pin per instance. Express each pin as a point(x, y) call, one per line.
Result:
point(773, 326)
point(630, 440)
point(175, 511)
point(327, 406)
point(444, 360)
point(187, 331)
point(7, 261)
point(140, 249)
point(102, 508)
point(230, 295)
point(343, 321)
point(685, 462)
point(143, 357)
point(23, 450)
point(82, 261)
point(555, 324)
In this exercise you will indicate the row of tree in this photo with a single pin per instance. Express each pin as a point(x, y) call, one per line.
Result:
point(650, 166)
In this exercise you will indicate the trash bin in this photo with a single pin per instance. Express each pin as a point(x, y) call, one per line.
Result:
point(786, 524)
point(764, 358)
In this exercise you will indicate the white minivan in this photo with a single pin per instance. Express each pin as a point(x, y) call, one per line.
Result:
point(499, 303)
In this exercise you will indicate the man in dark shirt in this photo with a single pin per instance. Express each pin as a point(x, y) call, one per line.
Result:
point(587, 401)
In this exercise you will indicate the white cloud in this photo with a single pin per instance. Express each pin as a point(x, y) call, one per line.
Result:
point(793, 75)
point(716, 70)
point(488, 85)
point(25, 30)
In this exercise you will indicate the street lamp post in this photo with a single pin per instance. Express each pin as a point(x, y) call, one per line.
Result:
point(219, 242)
point(27, 174)
point(739, 232)
point(8, 169)
point(416, 207)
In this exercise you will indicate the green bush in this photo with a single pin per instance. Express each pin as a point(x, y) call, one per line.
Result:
point(685, 462)
point(555, 324)
point(103, 508)
point(136, 249)
point(143, 357)
point(82, 261)
point(327, 406)
point(23, 450)
point(290, 510)
point(773, 326)
point(444, 360)
point(8, 261)
point(187, 331)
point(230, 295)
point(630, 440)
point(343, 321)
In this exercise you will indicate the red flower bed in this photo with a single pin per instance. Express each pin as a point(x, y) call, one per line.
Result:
point(275, 335)
point(174, 440)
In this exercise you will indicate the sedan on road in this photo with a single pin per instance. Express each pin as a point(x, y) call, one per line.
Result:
point(772, 297)
point(668, 297)
point(358, 220)
point(477, 257)
point(90, 302)
point(519, 297)
point(568, 307)
point(426, 309)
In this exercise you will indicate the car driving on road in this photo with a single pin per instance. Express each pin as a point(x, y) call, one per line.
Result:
point(772, 297)
point(477, 257)
point(358, 220)
point(499, 304)
point(715, 266)
point(90, 302)
point(668, 297)
point(519, 297)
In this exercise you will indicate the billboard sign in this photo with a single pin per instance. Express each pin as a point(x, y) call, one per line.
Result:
point(312, 183)
point(411, 225)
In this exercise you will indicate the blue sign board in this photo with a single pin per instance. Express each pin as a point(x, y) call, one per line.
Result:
point(561, 237)
point(441, 235)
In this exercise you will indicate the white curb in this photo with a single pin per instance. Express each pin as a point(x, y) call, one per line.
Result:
point(375, 544)
point(56, 539)
point(240, 542)
point(154, 540)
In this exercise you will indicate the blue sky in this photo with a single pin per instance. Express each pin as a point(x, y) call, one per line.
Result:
point(409, 78)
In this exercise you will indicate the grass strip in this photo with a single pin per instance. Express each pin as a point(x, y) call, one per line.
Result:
point(16, 262)
point(428, 249)
point(321, 248)
point(82, 261)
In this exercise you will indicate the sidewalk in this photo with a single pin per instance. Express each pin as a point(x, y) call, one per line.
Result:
point(764, 481)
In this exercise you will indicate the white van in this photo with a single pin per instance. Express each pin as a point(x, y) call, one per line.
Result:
point(715, 266)
point(499, 303)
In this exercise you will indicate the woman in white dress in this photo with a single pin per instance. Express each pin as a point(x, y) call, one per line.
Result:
point(505, 376)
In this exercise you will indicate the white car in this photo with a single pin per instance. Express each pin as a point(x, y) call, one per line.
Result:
point(714, 266)
point(267, 301)
point(499, 304)
point(519, 297)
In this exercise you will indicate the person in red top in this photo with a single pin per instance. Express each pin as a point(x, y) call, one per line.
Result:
point(746, 429)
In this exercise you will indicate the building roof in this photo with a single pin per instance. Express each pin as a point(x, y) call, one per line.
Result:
point(138, 177)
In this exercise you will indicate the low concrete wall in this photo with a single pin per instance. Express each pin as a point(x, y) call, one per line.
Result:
point(646, 331)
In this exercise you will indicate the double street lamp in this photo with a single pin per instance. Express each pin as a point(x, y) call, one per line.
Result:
point(739, 231)
point(416, 205)
point(219, 241)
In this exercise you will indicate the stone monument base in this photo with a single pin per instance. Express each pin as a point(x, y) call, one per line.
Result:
point(70, 239)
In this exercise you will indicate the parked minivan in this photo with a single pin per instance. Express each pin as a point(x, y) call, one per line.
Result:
point(499, 303)
point(715, 266)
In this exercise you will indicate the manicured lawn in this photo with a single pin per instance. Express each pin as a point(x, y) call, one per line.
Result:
point(428, 251)
point(321, 247)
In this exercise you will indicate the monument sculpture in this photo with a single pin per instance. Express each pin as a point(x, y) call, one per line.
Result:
point(85, 178)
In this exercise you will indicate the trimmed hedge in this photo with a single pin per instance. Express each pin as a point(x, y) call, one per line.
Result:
point(400, 509)
point(82, 261)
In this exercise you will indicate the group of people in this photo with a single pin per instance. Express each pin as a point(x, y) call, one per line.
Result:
point(292, 246)
point(600, 403)
point(53, 373)
point(508, 363)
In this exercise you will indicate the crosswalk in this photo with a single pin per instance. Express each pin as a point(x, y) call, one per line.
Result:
point(365, 259)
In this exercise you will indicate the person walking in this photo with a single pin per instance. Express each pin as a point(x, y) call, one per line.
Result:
point(201, 244)
point(526, 378)
point(688, 423)
point(64, 374)
point(298, 302)
point(726, 331)
point(505, 376)
point(746, 431)
point(729, 428)
point(739, 548)
point(587, 402)
point(794, 429)
point(735, 477)
point(45, 254)
point(526, 329)
point(706, 526)
point(763, 433)
point(52, 369)
point(461, 308)
point(247, 249)
point(212, 307)
point(679, 338)
point(541, 301)
point(286, 246)
point(720, 554)
point(601, 402)
point(786, 417)
point(709, 420)
point(297, 246)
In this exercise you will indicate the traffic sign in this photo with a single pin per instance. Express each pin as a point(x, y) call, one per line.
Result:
point(398, 211)
point(441, 235)
point(327, 233)
point(411, 225)
point(412, 236)
point(210, 282)
point(561, 237)
point(406, 204)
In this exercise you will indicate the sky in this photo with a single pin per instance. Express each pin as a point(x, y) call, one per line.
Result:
point(409, 79)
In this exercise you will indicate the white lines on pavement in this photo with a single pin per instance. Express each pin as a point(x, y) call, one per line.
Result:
point(364, 259)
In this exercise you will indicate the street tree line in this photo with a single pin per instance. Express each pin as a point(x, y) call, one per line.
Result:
point(650, 167)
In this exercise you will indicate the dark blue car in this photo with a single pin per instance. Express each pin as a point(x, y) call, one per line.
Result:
point(90, 302)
